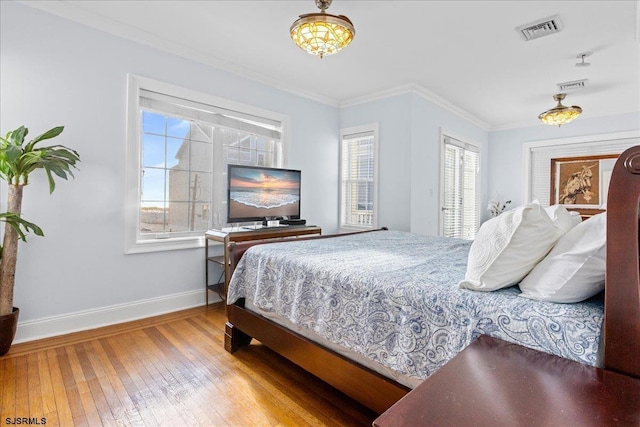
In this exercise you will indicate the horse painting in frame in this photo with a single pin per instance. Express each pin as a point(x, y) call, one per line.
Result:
point(576, 183)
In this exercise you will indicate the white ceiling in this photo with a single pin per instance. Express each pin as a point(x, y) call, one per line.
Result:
point(465, 55)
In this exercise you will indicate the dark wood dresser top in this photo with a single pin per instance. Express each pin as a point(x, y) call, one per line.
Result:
point(496, 383)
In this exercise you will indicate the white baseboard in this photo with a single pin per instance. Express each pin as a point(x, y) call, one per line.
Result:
point(105, 316)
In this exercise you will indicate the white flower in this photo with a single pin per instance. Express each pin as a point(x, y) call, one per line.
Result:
point(496, 207)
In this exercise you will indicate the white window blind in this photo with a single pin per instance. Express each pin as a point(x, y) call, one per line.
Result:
point(540, 181)
point(460, 176)
point(358, 179)
point(181, 155)
point(210, 115)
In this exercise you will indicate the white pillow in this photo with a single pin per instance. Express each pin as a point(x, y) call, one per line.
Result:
point(562, 218)
point(574, 269)
point(508, 246)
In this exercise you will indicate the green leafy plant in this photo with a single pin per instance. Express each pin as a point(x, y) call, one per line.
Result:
point(17, 161)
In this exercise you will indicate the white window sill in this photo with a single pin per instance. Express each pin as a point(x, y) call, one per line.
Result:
point(159, 245)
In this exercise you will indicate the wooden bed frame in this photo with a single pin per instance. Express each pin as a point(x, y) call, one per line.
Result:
point(621, 329)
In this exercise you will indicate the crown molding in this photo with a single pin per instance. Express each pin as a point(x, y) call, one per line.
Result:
point(76, 13)
point(535, 122)
point(81, 16)
point(449, 106)
point(421, 91)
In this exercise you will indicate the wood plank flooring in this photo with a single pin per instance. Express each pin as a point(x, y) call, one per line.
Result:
point(170, 370)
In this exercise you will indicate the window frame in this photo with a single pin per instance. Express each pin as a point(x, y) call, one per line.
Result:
point(464, 144)
point(135, 83)
point(348, 133)
point(606, 143)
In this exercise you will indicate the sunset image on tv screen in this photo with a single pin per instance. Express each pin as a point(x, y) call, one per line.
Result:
point(263, 192)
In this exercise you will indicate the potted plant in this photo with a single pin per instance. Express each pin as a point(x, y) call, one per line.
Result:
point(17, 161)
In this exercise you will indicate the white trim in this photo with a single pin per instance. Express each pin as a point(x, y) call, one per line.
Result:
point(478, 149)
point(135, 84)
point(421, 91)
point(449, 106)
point(105, 316)
point(368, 128)
point(376, 96)
point(160, 245)
point(202, 97)
point(537, 123)
point(463, 139)
point(584, 138)
point(132, 162)
point(75, 13)
point(527, 146)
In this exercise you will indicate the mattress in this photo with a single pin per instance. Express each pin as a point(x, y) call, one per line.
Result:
point(391, 299)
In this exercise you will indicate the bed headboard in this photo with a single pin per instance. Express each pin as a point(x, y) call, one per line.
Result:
point(622, 291)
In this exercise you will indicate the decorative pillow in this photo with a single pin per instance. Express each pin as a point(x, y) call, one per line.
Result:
point(574, 269)
point(562, 218)
point(508, 246)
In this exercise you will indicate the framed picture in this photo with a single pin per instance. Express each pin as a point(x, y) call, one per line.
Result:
point(581, 183)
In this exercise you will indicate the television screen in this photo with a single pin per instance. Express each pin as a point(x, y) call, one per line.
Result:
point(259, 193)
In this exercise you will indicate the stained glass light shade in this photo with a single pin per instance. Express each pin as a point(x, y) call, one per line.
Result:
point(322, 34)
point(560, 114)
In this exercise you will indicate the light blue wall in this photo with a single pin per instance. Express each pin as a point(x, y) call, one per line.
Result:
point(409, 157)
point(56, 72)
point(53, 71)
point(394, 150)
point(410, 128)
point(428, 121)
point(505, 154)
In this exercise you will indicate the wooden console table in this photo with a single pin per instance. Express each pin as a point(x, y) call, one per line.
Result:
point(496, 383)
point(243, 235)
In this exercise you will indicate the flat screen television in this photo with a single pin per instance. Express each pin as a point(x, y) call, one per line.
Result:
point(257, 193)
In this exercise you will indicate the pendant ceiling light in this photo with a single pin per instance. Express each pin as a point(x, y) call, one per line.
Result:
point(322, 34)
point(560, 114)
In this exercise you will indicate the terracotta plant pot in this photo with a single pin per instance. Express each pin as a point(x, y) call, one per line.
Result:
point(8, 326)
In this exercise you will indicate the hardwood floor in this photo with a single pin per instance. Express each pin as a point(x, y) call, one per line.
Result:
point(170, 370)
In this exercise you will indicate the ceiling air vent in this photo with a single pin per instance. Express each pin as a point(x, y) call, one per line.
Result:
point(540, 28)
point(576, 84)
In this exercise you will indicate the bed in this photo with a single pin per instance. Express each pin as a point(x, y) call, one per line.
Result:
point(376, 329)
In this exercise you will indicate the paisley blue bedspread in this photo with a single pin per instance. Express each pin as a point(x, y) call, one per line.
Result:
point(393, 298)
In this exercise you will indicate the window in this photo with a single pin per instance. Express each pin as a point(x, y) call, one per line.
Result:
point(358, 177)
point(459, 201)
point(179, 145)
point(538, 155)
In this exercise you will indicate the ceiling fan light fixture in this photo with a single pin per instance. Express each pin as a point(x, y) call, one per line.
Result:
point(560, 114)
point(322, 34)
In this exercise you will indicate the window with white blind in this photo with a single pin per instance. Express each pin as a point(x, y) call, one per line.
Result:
point(179, 145)
point(358, 177)
point(537, 179)
point(459, 198)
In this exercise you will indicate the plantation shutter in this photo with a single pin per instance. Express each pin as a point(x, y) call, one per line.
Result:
point(541, 161)
point(460, 210)
point(357, 180)
point(451, 209)
point(470, 208)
